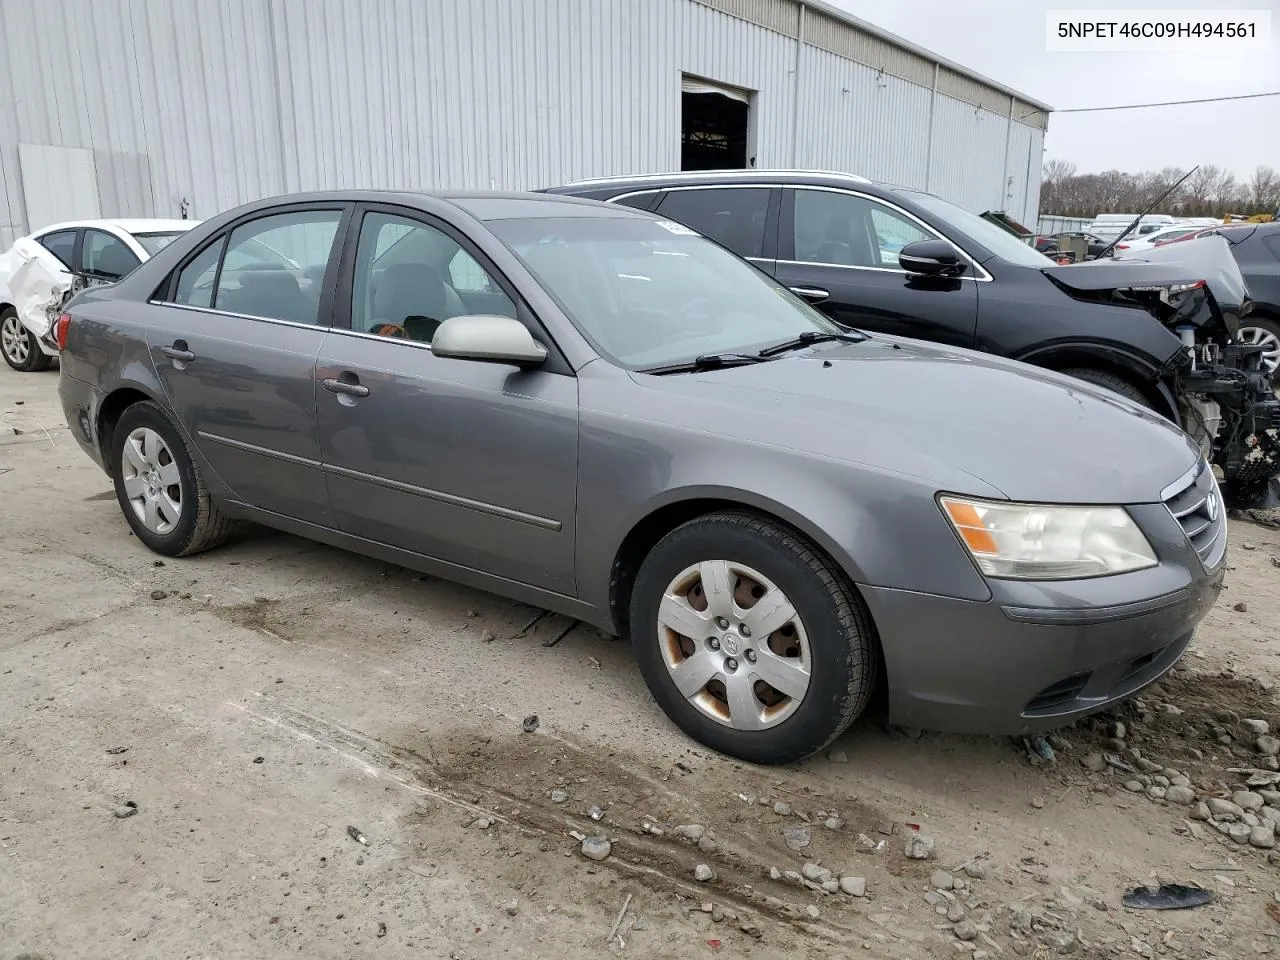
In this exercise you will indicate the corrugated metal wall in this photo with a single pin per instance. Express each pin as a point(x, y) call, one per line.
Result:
point(216, 102)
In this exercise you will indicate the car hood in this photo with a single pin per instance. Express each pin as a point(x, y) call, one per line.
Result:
point(960, 418)
point(1206, 258)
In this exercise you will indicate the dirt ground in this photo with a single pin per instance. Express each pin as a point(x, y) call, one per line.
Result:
point(257, 702)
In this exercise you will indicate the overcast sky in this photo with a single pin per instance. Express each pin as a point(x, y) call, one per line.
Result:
point(1005, 41)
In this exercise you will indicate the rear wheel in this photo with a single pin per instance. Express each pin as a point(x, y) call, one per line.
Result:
point(19, 346)
point(749, 640)
point(159, 486)
point(1113, 382)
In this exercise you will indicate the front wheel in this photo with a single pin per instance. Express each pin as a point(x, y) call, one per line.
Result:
point(1114, 383)
point(1264, 332)
point(19, 346)
point(750, 641)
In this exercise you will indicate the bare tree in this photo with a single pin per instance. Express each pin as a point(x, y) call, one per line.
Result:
point(1263, 191)
point(1210, 191)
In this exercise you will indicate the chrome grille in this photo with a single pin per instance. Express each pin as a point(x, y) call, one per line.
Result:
point(1196, 504)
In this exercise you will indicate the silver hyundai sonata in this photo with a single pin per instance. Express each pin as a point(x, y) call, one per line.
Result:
point(590, 409)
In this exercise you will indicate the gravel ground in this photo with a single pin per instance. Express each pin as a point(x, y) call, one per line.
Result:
point(188, 747)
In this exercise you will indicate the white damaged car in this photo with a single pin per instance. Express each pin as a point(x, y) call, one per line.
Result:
point(39, 270)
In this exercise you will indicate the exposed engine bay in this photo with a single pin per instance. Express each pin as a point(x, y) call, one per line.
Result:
point(1226, 401)
point(1215, 387)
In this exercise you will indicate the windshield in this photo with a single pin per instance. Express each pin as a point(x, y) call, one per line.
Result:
point(999, 241)
point(153, 243)
point(649, 293)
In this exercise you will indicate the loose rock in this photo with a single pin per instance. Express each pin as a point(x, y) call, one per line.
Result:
point(1200, 811)
point(833, 823)
point(125, 810)
point(1259, 728)
point(1134, 786)
point(558, 796)
point(1241, 607)
point(530, 723)
point(811, 871)
point(1094, 761)
point(919, 847)
point(703, 873)
point(1038, 803)
point(690, 831)
point(1155, 792)
point(159, 594)
point(1247, 800)
point(1262, 837)
point(1224, 808)
point(707, 845)
point(513, 908)
point(831, 886)
point(1182, 796)
point(1267, 746)
point(941, 880)
point(596, 848)
point(782, 808)
point(956, 913)
point(775, 873)
point(797, 838)
point(854, 886)
point(966, 930)
point(976, 870)
point(811, 912)
point(1239, 832)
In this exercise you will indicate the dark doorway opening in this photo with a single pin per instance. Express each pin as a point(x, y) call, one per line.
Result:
point(713, 131)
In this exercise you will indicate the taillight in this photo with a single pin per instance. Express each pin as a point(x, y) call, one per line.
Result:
point(1122, 246)
point(61, 329)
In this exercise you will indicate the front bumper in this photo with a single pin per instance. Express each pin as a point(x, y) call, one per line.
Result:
point(1038, 655)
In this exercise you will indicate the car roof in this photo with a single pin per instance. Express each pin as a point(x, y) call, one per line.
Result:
point(480, 204)
point(718, 177)
point(135, 225)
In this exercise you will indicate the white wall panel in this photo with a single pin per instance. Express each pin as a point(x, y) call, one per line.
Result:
point(223, 101)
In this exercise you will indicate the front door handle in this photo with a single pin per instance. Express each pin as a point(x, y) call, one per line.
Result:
point(812, 294)
point(178, 352)
point(345, 387)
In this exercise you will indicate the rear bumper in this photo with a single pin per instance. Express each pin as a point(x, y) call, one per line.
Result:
point(1007, 667)
point(81, 404)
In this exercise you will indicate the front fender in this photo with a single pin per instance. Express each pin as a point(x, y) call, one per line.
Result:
point(880, 528)
point(1065, 354)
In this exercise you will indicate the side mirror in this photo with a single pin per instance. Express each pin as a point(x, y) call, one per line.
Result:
point(488, 338)
point(931, 258)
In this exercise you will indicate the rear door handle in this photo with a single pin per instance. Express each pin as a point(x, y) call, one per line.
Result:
point(814, 294)
point(178, 352)
point(345, 387)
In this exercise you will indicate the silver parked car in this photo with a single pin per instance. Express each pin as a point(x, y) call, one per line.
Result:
point(587, 408)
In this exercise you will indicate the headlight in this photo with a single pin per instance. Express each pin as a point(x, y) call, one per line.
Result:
point(1024, 541)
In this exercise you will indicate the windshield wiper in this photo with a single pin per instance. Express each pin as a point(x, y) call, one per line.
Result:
point(707, 361)
point(810, 337)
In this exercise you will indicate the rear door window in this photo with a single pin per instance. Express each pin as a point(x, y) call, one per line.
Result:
point(734, 217)
point(274, 266)
point(106, 256)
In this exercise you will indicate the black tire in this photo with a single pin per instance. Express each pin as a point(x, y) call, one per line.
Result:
point(844, 660)
point(35, 359)
point(1113, 382)
point(200, 526)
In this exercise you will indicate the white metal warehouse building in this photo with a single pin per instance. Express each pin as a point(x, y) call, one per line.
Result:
point(143, 108)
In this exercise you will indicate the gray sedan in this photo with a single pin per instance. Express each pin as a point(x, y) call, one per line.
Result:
point(590, 409)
